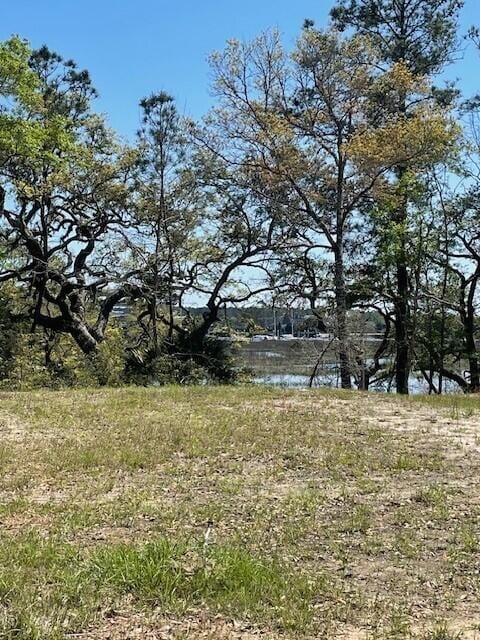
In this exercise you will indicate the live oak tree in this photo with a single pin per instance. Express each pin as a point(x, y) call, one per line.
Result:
point(63, 191)
point(421, 36)
point(241, 231)
point(199, 231)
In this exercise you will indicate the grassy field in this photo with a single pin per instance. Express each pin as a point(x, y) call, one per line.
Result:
point(238, 513)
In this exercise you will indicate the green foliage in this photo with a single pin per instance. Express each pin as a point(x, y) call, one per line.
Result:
point(182, 362)
point(423, 38)
point(30, 131)
point(107, 366)
point(18, 87)
point(27, 369)
point(163, 368)
point(35, 360)
point(17, 80)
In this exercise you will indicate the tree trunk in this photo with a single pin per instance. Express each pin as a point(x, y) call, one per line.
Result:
point(341, 320)
point(198, 336)
point(363, 378)
point(402, 370)
point(339, 273)
point(84, 339)
point(402, 306)
point(473, 364)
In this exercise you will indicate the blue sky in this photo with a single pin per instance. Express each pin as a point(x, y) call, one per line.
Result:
point(134, 47)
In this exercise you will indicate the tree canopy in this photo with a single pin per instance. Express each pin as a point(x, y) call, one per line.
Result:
point(339, 176)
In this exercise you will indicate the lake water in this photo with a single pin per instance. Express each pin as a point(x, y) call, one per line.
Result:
point(291, 380)
point(290, 363)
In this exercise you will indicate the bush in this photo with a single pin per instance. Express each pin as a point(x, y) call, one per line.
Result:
point(36, 360)
point(26, 365)
point(43, 359)
point(180, 363)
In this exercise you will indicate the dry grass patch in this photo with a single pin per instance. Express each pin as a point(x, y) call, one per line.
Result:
point(284, 513)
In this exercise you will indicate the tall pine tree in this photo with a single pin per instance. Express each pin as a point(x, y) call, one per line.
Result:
point(421, 35)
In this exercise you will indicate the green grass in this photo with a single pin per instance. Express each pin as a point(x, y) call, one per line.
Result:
point(458, 406)
point(328, 511)
point(49, 588)
point(178, 576)
point(44, 589)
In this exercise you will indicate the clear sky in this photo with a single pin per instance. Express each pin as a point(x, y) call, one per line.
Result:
point(135, 47)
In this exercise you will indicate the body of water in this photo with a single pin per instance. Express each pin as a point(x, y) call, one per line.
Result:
point(290, 363)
